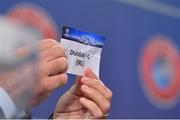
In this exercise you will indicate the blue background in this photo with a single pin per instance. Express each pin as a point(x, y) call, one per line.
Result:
point(127, 28)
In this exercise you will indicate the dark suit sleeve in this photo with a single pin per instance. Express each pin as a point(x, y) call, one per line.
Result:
point(27, 115)
point(51, 116)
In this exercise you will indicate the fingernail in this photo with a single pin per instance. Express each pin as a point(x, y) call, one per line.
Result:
point(87, 71)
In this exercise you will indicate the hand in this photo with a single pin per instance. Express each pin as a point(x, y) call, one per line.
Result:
point(51, 74)
point(51, 70)
point(88, 98)
point(18, 83)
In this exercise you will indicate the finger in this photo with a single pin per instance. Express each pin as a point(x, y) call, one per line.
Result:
point(54, 67)
point(76, 88)
point(97, 97)
point(55, 82)
point(46, 43)
point(78, 81)
point(89, 73)
point(92, 107)
point(52, 53)
point(97, 85)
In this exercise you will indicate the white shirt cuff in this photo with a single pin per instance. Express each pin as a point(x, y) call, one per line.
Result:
point(7, 105)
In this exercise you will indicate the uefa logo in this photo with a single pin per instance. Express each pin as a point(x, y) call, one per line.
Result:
point(159, 72)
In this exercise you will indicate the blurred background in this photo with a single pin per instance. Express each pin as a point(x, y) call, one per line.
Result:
point(140, 59)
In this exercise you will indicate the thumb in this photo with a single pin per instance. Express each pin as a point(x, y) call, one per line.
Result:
point(89, 73)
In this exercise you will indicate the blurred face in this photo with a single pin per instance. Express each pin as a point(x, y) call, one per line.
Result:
point(19, 80)
point(17, 65)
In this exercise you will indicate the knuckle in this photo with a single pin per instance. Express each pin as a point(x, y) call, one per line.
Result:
point(60, 80)
point(45, 43)
point(56, 51)
point(64, 79)
point(64, 64)
point(98, 114)
point(96, 82)
point(61, 46)
point(59, 49)
point(99, 97)
point(92, 93)
point(106, 107)
point(65, 61)
point(110, 94)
